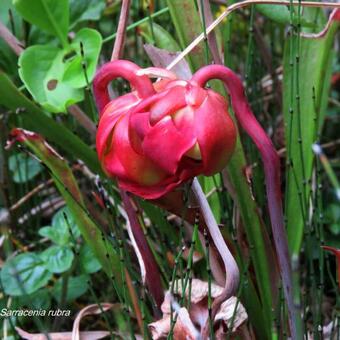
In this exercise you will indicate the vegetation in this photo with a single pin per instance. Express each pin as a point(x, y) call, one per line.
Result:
point(75, 244)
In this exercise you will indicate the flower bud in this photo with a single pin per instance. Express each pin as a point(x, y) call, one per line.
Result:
point(163, 134)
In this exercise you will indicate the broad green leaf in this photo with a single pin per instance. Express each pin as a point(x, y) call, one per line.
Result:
point(188, 27)
point(332, 218)
point(58, 236)
point(85, 10)
point(74, 74)
point(40, 299)
point(281, 14)
point(54, 76)
point(88, 261)
point(34, 118)
point(58, 259)
point(24, 274)
point(59, 232)
point(77, 286)
point(306, 119)
point(41, 70)
point(59, 221)
point(50, 15)
point(158, 36)
point(23, 167)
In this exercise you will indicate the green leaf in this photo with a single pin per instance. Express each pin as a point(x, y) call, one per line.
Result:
point(58, 259)
point(160, 37)
point(23, 167)
point(59, 232)
point(59, 222)
point(40, 299)
point(281, 14)
point(74, 73)
point(68, 187)
point(77, 286)
point(332, 217)
point(34, 118)
point(85, 10)
point(50, 15)
point(314, 72)
point(186, 20)
point(59, 236)
point(41, 70)
point(54, 76)
point(24, 274)
point(88, 261)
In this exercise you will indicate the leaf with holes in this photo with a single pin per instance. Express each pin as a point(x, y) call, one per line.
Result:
point(74, 72)
point(49, 15)
point(42, 69)
point(54, 76)
point(24, 274)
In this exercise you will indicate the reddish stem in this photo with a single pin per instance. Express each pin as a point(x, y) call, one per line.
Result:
point(152, 274)
point(119, 69)
point(271, 164)
point(120, 37)
point(336, 252)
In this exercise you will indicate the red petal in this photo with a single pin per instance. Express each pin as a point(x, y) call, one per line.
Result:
point(137, 167)
point(109, 118)
point(216, 133)
point(167, 142)
point(170, 103)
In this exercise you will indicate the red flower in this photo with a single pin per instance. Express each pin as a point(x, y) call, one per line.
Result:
point(161, 135)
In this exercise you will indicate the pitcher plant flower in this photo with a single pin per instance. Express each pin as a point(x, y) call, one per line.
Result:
point(160, 135)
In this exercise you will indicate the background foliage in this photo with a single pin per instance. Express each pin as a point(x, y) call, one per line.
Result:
point(63, 226)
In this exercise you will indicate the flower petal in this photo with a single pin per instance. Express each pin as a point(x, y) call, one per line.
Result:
point(216, 133)
point(171, 102)
point(167, 142)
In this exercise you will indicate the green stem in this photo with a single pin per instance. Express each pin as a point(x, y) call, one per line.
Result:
point(137, 23)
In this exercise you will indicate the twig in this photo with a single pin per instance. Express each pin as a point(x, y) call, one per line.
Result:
point(25, 198)
point(83, 119)
point(240, 5)
point(11, 40)
point(119, 43)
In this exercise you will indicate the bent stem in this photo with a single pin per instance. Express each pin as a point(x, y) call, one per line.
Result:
point(271, 164)
point(232, 272)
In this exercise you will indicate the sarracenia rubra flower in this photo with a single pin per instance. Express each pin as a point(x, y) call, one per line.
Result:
point(161, 134)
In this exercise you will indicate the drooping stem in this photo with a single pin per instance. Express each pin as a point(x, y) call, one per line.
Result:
point(119, 69)
point(232, 272)
point(271, 164)
point(152, 274)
